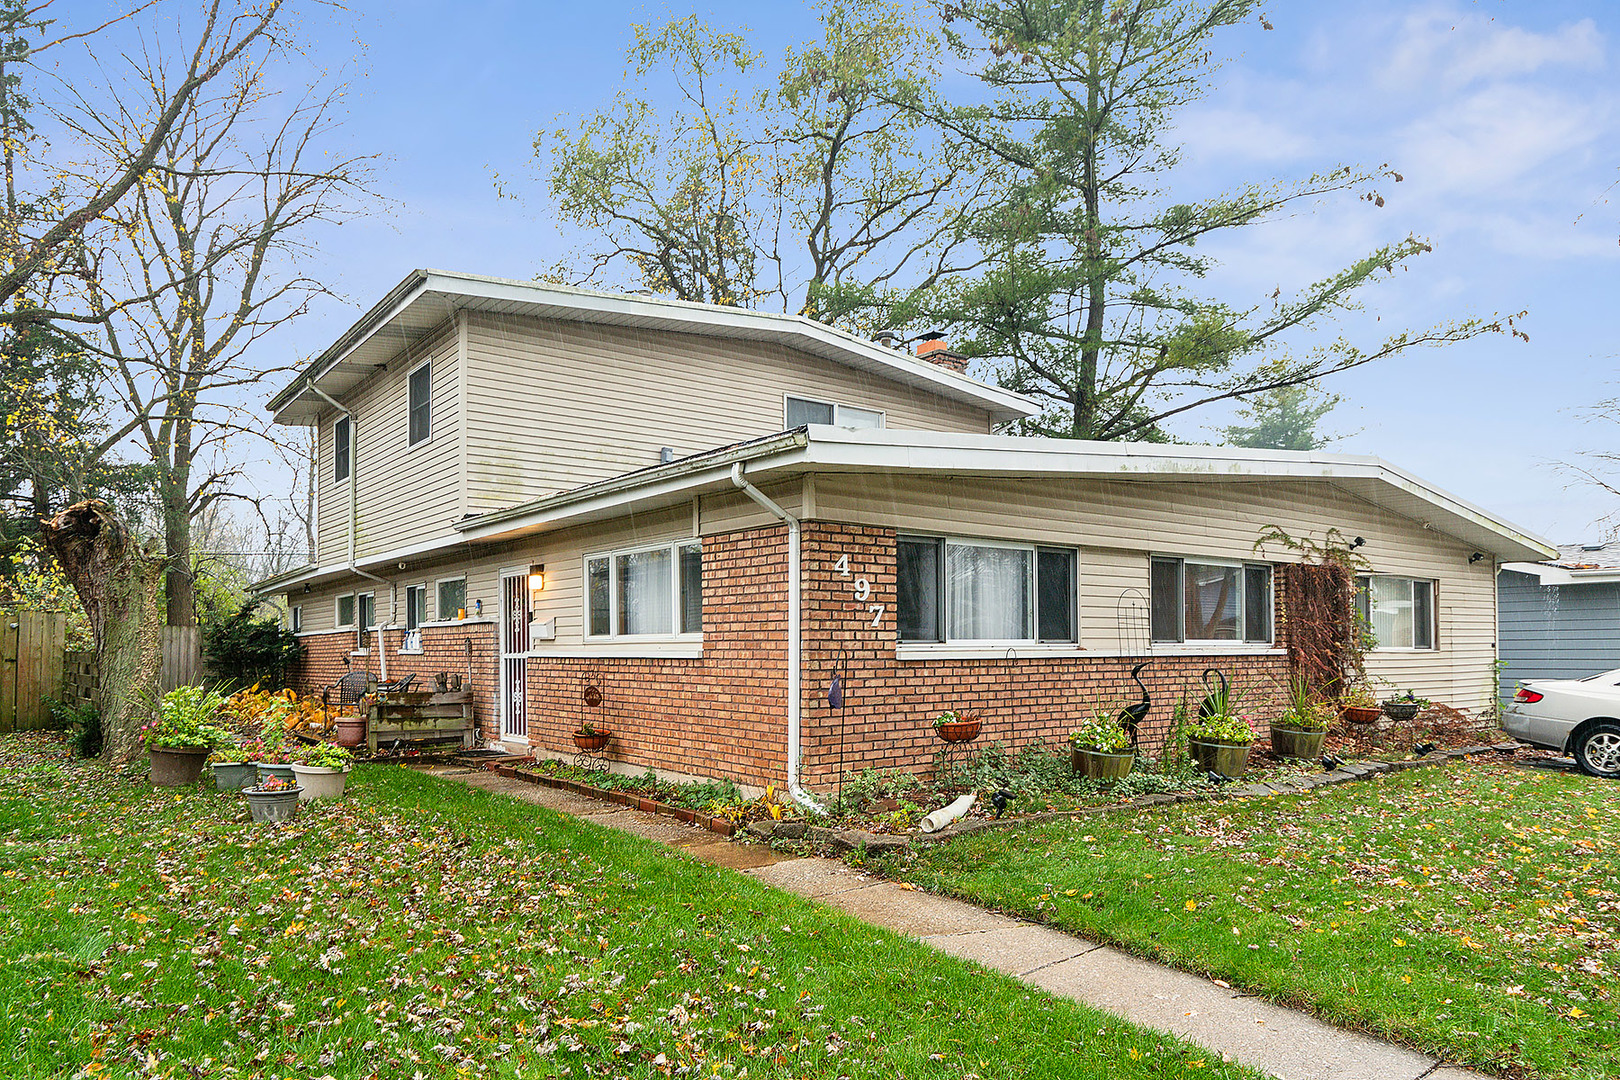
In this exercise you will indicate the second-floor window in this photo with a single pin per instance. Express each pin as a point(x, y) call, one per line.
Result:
point(421, 403)
point(340, 449)
point(801, 411)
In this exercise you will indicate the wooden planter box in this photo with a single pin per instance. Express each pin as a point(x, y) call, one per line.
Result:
point(1294, 743)
point(1227, 759)
point(1101, 765)
point(421, 716)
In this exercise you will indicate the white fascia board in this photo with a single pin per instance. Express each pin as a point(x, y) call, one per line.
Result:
point(1561, 575)
point(371, 563)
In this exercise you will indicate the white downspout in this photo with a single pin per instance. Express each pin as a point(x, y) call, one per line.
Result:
point(795, 637)
point(354, 525)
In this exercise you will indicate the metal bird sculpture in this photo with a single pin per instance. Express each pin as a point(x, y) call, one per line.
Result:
point(1423, 748)
point(1329, 762)
point(1000, 801)
point(1215, 700)
point(1216, 778)
point(1132, 715)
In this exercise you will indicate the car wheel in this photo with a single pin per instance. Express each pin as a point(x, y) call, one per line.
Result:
point(1597, 750)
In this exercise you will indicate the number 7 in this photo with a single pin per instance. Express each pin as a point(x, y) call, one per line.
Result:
point(877, 613)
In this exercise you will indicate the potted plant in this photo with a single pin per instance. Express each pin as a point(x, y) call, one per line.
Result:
point(589, 739)
point(1404, 707)
point(1100, 749)
point(181, 735)
point(272, 799)
point(1302, 728)
point(273, 758)
point(321, 771)
point(1220, 743)
point(232, 770)
point(1358, 704)
point(954, 727)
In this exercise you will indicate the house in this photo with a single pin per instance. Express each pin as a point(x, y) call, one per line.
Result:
point(1560, 619)
point(701, 515)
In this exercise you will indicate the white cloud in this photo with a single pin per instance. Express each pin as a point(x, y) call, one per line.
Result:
point(1239, 135)
point(1438, 45)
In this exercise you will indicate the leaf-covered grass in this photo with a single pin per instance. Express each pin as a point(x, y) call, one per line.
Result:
point(1470, 911)
point(422, 929)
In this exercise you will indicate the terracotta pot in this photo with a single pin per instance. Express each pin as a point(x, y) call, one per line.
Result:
point(1101, 765)
point(351, 731)
point(1401, 710)
point(234, 775)
point(593, 742)
point(177, 766)
point(1359, 714)
point(1227, 759)
point(958, 730)
point(1294, 743)
point(315, 783)
point(273, 806)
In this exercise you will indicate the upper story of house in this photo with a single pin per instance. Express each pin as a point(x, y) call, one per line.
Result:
point(457, 395)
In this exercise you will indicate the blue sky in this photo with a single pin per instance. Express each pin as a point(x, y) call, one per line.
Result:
point(1500, 115)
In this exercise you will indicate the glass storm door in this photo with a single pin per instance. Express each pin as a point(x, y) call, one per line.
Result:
point(514, 647)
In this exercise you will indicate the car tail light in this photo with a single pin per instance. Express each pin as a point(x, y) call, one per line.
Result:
point(1527, 697)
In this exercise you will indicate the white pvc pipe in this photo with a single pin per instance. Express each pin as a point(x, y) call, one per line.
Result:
point(944, 816)
point(795, 642)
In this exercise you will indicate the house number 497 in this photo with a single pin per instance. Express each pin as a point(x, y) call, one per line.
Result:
point(863, 589)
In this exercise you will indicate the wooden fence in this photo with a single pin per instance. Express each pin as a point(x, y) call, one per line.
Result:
point(32, 644)
point(35, 664)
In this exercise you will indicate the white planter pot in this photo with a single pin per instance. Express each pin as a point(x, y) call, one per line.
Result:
point(320, 783)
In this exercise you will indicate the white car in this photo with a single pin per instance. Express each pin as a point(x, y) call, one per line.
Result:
point(1573, 716)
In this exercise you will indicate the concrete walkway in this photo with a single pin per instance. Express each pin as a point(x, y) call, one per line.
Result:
point(1288, 1044)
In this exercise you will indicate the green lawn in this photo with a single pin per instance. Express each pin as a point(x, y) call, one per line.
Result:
point(1470, 911)
point(421, 929)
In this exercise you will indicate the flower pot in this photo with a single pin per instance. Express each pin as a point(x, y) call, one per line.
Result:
point(177, 766)
point(234, 775)
point(593, 742)
point(1101, 764)
point(1359, 714)
point(351, 731)
point(1227, 759)
point(958, 730)
point(273, 806)
point(316, 783)
point(1294, 743)
point(1401, 710)
point(281, 772)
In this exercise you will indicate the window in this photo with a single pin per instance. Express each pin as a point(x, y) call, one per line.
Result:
point(340, 449)
point(452, 598)
point(984, 590)
point(295, 617)
point(645, 592)
point(345, 611)
point(1400, 611)
point(800, 411)
point(1206, 600)
point(415, 606)
point(368, 610)
point(421, 394)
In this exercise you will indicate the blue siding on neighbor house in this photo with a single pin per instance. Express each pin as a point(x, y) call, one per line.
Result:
point(1555, 631)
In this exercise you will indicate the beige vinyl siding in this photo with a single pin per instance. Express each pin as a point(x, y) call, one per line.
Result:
point(552, 405)
point(1119, 525)
point(407, 494)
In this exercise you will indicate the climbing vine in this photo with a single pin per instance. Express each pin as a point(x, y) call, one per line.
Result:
point(1326, 636)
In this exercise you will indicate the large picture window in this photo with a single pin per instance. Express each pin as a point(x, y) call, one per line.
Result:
point(1399, 611)
point(984, 590)
point(645, 592)
point(421, 403)
point(1205, 601)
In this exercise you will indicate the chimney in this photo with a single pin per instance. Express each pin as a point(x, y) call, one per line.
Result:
point(933, 349)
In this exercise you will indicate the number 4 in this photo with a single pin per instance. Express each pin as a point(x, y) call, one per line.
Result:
point(842, 565)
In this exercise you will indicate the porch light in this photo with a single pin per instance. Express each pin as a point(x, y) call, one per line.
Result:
point(537, 577)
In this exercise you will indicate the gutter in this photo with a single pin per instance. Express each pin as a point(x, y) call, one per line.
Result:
point(354, 524)
point(795, 635)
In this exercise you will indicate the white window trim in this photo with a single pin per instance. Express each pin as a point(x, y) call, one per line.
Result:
point(337, 612)
point(410, 374)
point(883, 414)
point(1434, 615)
point(1198, 646)
point(295, 618)
point(410, 643)
point(356, 624)
point(442, 618)
point(971, 648)
point(674, 548)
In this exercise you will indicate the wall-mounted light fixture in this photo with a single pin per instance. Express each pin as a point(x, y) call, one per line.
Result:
point(1475, 557)
point(306, 588)
point(1357, 542)
point(537, 577)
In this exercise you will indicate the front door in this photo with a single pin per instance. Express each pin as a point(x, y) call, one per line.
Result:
point(514, 647)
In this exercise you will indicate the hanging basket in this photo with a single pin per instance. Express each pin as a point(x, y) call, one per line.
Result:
point(1359, 714)
point(593, 741)
point(1401, 710)
point(955, 731)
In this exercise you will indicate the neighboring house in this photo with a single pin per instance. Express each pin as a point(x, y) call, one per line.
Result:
point(706, 513)
point(1560, 619)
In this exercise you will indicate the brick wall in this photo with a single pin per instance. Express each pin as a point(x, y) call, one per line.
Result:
point(721, 716)
point(444, 648)
point(889, 705)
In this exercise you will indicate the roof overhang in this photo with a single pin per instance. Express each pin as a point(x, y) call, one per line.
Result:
point(1562, 575)
point(427, 298)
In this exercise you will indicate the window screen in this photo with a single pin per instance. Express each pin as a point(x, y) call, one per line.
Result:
point(691, 589)
point(345, 610)
point(1166, 591)
point(1256, 603)
point(415, 606)
point(1055, 589)
point(917, 607)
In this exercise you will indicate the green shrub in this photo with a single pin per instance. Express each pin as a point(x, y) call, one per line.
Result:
point(245, 651)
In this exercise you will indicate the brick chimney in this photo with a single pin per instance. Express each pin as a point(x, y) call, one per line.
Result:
point(935, 351)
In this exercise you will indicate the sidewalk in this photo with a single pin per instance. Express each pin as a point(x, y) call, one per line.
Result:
point(1289, 1045)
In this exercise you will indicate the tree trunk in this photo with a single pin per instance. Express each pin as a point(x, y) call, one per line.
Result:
point(179, 586)
point(117, 581)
